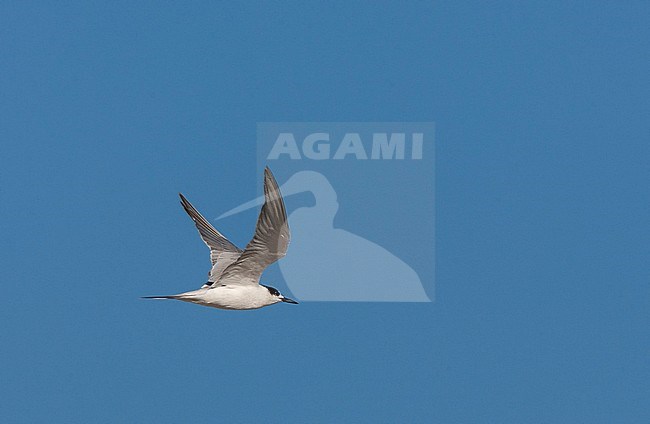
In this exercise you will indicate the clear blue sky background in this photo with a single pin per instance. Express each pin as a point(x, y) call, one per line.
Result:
point(107, 110)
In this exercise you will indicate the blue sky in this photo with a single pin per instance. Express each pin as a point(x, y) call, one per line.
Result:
point(108, 110)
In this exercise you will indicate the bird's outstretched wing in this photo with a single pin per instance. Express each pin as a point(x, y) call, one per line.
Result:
point(222, 251)
point(269, 243)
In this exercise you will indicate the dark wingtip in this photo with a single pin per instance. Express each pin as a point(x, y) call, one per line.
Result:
point(185, 203)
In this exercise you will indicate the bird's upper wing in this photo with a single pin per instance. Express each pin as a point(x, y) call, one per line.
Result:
point(224, 259)
point(269, 243)
point(222, 251)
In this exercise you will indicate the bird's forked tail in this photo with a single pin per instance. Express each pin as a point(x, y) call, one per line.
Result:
point(159, 297)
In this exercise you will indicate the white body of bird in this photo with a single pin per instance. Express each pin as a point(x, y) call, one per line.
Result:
point(230, 297)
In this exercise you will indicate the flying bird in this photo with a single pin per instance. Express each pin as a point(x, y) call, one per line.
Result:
point(234, 280)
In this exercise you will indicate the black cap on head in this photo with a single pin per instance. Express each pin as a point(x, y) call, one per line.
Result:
point(272, 290)
point(275, 292)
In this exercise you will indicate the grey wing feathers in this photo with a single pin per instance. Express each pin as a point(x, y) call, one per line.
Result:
point(222, 251)
point(212, 238)
point(270, 241)
point(224, 259)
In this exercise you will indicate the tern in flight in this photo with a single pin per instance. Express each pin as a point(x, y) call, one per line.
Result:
point(233, 282)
